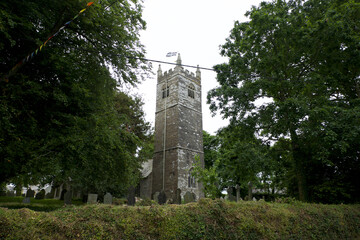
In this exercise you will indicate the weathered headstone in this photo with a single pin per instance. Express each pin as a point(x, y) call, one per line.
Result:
point(62, 195)
point(162, 198)
point(131, 197)
point(26, 200)
point(40, 195)
point(18, 189)
point(108, 198)
point(156, 197)
point(30, 193)
point(177, 199)
point(189, 197)
point(67, 197)
point(230, 194)
point(237, 188)
point(254, 199)
point(51, 194)
point(92, 198)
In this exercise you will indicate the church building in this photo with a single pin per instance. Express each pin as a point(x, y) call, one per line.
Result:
point(178, 134)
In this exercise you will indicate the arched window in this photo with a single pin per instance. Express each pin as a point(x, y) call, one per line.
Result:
point(191, 91)
point(165, 91)
point(191, 180)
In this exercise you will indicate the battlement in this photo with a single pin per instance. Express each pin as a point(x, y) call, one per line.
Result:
point(173, 72)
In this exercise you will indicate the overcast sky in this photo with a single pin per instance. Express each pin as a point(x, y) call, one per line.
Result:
point(195, 29)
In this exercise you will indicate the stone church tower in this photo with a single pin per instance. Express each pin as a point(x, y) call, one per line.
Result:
point(178, 131)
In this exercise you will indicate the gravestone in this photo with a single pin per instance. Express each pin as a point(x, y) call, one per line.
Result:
point(67, 197)
point(177, 199)
point(189, 197)
point(51, 194)
point(131, 197)
point(40, 195)
point(156, 197)
point(26, 200)
point(62, 195)
point(237, 188)
point(230, 194)
point(30, 193)
point(162, 198)
point(108, 198)
point(92, 198)
point(18, 190)
point(254, 199)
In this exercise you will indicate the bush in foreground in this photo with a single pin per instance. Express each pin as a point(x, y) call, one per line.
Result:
point(206, 219)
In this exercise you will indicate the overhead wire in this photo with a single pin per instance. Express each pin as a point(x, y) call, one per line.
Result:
point(34, 53)
point(38, 50)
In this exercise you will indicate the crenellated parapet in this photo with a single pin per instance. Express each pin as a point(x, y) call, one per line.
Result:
point(196, 77)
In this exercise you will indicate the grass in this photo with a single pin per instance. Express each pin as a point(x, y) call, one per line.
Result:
point(44, 205)
point(206, 219)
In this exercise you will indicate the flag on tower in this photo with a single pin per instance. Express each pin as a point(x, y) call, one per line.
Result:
point(171, 54)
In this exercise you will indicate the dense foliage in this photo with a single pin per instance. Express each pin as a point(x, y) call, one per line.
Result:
point(203, 220)
point(293, 79)
point(61, 115)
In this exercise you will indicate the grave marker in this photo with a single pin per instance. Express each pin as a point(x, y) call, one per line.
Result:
point(156, 197)
point(67, 197)
point(30, 193)
point(108, 198)
point(131, 197)
point(177, 199)
point(92, 198)
point(189, 197)
point(162, 198)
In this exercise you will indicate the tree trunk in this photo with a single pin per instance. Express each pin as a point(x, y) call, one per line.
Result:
point(298, 158)
point(237, 193)
point(250, 195)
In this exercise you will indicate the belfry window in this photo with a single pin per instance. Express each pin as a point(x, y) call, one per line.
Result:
point(191, 91)
point(165, 91)
point(191, 180)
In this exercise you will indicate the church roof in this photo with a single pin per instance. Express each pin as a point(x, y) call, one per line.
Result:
point(146, 168)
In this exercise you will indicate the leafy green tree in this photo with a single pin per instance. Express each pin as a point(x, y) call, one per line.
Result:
point(243, 157)
point(59, 115)
point(293, 73)
point(209, 177)
point(211, 148)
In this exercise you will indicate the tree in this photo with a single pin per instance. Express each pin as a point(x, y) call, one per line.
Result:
point(208, 175)
point(243, 157)
point(293, 71)
point(58, 114)
point(211, 148)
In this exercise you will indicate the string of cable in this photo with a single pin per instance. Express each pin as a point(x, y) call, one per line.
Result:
point(38, 50)
point(34, 53)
